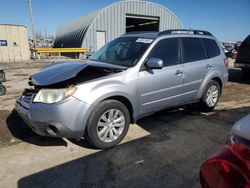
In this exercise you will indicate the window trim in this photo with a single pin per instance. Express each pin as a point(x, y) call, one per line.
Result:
point(204, 48)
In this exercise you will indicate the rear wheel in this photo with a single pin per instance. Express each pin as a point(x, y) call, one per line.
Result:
point(107, 124)
point(2, 90)
point(210, 96)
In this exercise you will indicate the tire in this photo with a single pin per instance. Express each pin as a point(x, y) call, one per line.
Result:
point(233, 55)
point(111, 120)
point(208, 104)
point(2, 90)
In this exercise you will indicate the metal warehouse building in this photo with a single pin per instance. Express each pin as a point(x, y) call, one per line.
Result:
point(14, 44)
point(94, 30)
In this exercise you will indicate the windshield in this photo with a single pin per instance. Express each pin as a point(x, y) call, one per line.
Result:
point(124, 51)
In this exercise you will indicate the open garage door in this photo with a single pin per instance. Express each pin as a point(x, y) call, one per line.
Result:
point(141, 23)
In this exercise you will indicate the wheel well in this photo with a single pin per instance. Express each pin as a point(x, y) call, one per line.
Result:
point(217, 79)
point(126, 102)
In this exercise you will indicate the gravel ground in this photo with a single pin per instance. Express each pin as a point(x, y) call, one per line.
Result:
point(162, 150)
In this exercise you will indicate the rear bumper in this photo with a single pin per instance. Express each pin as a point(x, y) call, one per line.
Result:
point(63, 119)
point(242, 65)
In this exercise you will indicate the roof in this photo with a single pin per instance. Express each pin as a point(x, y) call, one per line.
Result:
point(151, 35)
point(19, 25)
point(78, 27)
point(154, 35)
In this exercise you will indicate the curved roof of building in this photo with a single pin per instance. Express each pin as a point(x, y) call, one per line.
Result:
point(75, 30)
point(72, 35)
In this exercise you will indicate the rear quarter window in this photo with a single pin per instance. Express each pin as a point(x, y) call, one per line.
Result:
point(212, 48)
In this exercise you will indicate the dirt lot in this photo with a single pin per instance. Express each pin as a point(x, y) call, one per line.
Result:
point(163, 150)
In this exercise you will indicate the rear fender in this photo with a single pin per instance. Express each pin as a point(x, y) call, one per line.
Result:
point(210, 76)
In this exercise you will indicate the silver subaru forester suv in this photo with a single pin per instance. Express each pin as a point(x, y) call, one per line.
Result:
point(130, 77)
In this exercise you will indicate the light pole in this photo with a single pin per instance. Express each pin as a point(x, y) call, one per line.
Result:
point(32, 24)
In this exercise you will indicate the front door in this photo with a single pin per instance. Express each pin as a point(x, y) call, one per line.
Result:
point(161, 88)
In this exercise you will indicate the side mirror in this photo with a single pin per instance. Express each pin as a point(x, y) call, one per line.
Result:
point(154, 63)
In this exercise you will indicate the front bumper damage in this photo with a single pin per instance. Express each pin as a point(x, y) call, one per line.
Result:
point(66, 118)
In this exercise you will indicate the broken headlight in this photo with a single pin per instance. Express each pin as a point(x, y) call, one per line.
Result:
point(50, 96)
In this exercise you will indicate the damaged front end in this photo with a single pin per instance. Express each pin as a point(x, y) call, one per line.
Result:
point(49, 106)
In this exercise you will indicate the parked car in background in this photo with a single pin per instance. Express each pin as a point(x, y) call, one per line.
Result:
point(230, 49)
point(229, 167)
point(243, 57)
point(2, 79)
point(130, 77)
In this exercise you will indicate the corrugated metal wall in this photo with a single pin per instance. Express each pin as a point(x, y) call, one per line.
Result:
point(112, 19)
point(14, 45)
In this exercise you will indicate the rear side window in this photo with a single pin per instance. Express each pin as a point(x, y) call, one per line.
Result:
point(212, 48)
point(192, 50)
point(167, 51)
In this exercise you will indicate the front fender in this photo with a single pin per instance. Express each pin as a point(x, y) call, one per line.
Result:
point(116, 94)
point(94, 93)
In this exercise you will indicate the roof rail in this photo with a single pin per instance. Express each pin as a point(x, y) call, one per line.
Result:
point(188, 31)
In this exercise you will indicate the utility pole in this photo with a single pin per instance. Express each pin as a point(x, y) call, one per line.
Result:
point(32, 24)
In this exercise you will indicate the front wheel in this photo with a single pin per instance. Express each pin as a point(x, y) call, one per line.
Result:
point(107, 124)
point(210, 96)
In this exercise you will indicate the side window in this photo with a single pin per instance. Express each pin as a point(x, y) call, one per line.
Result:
point(212, 48)
point(193, 49)
point(167, 51)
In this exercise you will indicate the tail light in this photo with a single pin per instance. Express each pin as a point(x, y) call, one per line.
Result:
point(241, 147)
point(221, 174)
point(229, 167)
point(226, 62)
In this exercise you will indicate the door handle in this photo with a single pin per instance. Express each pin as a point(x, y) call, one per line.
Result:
point(178, 72)
point(208, 66)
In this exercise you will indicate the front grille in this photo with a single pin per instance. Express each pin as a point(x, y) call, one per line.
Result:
point(27, 97)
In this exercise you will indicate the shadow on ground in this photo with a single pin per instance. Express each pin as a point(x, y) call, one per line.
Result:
point(21, 131)
point(180, 140)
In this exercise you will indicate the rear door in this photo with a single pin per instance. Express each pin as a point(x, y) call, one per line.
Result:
point(195, 67)
point(160, 88)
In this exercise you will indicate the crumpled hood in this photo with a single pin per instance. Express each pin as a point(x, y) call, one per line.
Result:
point(62, 71)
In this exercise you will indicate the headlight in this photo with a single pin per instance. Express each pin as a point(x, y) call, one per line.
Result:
point(54, 95)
